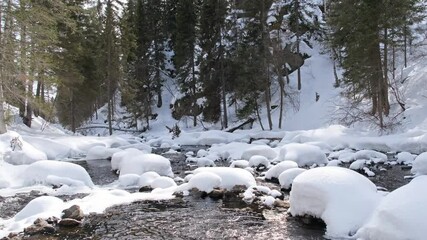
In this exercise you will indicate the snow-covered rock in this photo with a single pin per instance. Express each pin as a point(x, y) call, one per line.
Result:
point(39, 207)
point(342, 198)
point(303, 154)
point(145, 163)
point(260, 150)
point(400, 215)
point(370, 155)
point(277, 169)
point(101, 152)
point(358, 164)
point(257, 160)
point(419, 166)
point(239, 164)
point(129, 180)
point(162, 182)
point(201, 162)
point(287, 177)
point(117, 158)
point(405, 158)
point(204, 181)
point(147, 178)
point(230, 177)
point(56, 173)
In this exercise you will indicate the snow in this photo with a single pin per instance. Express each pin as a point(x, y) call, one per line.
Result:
point(342, 198)
point(162, 182)
point(277, 169)
point(203, 181)
point(303, 154)
point(128, 180)
point(147, 178)
point(405, 158)
point(257, 160)
point(38, 207)
point(268, 200)
point(56, 173)
point(400, 215)
point(419, 166)
point(101, 152)
point(260, 150)
point(230, 177)
point(239, 164)
point(287, 177)
point(142, 163)
point(117, 158)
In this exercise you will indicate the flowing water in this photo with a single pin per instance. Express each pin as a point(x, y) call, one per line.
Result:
point(190, 217)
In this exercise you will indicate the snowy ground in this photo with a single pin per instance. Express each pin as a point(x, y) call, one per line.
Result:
point(303, 156)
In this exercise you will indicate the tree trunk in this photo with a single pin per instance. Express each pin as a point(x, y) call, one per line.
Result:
point(193, 73)
point(2, 120)
point(298, 40)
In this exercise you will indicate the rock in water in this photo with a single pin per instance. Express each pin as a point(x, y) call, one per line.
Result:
point(69, 222)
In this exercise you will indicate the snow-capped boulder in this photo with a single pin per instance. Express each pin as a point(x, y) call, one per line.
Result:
point(260, 150)
point(101, 152)
point(18, 151)
point(56, 173)
point(43, 206)
point(147, 178)
point(405, 158)
point(117, 158)
point(419, 166)
point(257, 161)
point(277, 169)
point(400, 215)
point(230, 177)
point(204, 181)
point(287, 177)
point(128, 180)
point(342, 198)
point(239, 164)
point(162, 182)
point(145, 163)
point(303, 154)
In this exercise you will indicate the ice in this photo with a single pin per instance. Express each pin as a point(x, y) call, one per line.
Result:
point(342, 198)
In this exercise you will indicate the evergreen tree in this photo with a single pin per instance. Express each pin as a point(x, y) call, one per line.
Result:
point(187, 53)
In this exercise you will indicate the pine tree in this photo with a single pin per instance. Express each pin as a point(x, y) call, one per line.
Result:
point(187, 53)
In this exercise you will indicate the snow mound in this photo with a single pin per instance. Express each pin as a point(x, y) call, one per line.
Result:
point(257, 160)
point(39, 207)
point(419, 166)
point(400, 215)
point(261, 150)
point(140, 146)
point(53, 149)
point(162, 182)
point(201, 162)
point(370, 155)
point(287, 177)
point(56, 173)
point(117, 158)
point(146, 163)
point(239, 164)
point(147, 178)
point(128, 180)
point(303, 154)
point(101, 152)
point(17, 151)
point(204, 181)
point(230, 177)
point(342, 198)
point(405, 158)
point(277, 169)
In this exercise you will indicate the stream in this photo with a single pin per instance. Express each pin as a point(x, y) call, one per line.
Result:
point(190, 217)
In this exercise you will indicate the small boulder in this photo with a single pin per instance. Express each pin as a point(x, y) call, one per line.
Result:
point(69, 222)
point(74, 212)
point(40, 226)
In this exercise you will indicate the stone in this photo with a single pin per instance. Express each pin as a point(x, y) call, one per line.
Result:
point(281, 203)
point(74, 212)
point(217, 194)
point(69, 222)
point(40, 226)
point(145, 189)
